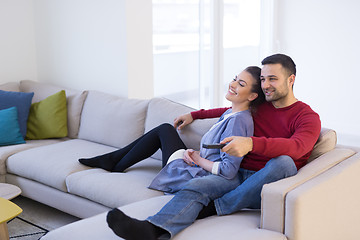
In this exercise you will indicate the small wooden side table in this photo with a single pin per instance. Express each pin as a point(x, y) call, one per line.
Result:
point(8, 211)
point(9, 191)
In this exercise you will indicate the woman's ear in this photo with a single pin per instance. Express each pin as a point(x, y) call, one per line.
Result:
point(252, 96)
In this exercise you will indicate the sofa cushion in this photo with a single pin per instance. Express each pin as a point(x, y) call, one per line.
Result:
point(75, 100)
point(10, 86)
point(48, 118)
point(9, 127)
point(116, 189)
point(51, 164)
point(112, 120)
point(326, 142)
point(7, 151)
point(21, 101)
point(242, 225)
point(162, 110)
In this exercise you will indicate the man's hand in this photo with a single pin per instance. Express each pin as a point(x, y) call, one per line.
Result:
point(182, 121)
point(237, 146)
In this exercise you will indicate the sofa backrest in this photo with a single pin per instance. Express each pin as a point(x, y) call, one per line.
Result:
point(162, 110)
point(112, 120)
point(10, 86)
point(326, 142)
point(74, 101)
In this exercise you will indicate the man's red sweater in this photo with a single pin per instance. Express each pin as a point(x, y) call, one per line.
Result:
point(291, 131)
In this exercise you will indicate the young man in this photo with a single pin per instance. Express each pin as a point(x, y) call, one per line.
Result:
point(285, 132)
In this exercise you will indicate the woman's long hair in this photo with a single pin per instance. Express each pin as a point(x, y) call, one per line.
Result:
point(256, 87)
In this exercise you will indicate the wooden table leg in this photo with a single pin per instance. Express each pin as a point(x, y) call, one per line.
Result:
point(4, 233)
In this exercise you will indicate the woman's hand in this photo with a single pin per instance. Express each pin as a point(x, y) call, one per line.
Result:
point(195, 160)
point(195, 156)
point(182, 121)
point(187, 157)
point(191, 157)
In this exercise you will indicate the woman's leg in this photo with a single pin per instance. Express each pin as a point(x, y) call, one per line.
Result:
point(108, 161)
point(164, 137)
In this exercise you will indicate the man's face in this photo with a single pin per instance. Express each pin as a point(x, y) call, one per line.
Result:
point(274, 82)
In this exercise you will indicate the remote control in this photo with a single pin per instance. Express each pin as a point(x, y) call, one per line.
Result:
point(214, 146)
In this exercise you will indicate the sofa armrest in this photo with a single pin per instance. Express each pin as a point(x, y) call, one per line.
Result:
point(327, 206)
point(273, 195)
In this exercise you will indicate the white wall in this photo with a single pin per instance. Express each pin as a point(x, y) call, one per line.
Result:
point(17, 42)
point(81, 44)
point(87, 44)
point(104, 45)
point(323, 39)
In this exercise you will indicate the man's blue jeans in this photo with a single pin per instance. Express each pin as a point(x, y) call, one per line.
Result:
point(244, 191)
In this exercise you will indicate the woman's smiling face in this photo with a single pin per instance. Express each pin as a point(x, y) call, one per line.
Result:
point(239, 91)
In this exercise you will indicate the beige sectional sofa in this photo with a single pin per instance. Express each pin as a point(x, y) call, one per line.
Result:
point(320, 202)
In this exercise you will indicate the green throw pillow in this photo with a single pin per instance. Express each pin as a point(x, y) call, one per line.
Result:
point(48, 118)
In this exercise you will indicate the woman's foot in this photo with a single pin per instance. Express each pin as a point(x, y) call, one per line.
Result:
point(130, 228)
point(99, 162)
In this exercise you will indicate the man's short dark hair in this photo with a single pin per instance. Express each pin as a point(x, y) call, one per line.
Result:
point(286, 62)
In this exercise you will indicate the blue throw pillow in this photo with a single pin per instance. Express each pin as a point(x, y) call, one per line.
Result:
point(9, 127)
point(20, 100)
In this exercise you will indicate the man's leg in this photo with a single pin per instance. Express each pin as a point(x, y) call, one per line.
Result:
point(248, 194)
point(180, 212)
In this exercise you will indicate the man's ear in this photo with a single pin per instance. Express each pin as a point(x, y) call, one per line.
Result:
point(253, 96)
point(291, 80)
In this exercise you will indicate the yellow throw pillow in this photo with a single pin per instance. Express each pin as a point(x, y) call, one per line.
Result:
point(48, 118)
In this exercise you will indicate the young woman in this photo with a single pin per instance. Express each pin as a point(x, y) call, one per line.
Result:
point(181, 164)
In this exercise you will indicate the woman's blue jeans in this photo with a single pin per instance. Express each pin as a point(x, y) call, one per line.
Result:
point(244, 191)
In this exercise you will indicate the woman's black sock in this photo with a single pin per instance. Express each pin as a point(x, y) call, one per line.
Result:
point(103, 161)
point(130, 228)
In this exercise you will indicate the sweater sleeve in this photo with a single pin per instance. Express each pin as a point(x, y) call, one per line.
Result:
point(210, 113)
point(229, 165)
point(297, 146)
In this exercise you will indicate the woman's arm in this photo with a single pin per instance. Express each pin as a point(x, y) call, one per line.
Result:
point(193, 158)
point(201, 162)
point(240, 125)
point(229, 165)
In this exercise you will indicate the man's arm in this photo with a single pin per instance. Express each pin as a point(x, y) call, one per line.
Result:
point(210, 113)
point(299, 144)
point(237, 146)
point(183, 120)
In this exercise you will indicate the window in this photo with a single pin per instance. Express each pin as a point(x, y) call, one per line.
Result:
point(199, 45)
point(241, 37)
